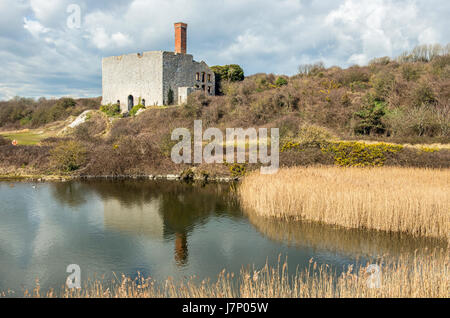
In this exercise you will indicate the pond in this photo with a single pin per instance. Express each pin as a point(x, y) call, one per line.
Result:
point(160, 229)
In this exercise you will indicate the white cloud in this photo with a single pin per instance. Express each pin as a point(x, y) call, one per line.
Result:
point(49, 12)
point(34, 27)
point(365, 30)
point(102, 40)
point(261, 35)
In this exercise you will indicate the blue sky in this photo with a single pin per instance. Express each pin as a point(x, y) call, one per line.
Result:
point(40, 55)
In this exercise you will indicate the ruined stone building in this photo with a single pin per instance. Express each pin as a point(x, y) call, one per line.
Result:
point(151, 77)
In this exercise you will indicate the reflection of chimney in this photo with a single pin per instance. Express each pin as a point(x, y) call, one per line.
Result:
point(181, 248)
point(180, 37)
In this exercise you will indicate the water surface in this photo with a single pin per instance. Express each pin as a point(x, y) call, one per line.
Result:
point(160, 229)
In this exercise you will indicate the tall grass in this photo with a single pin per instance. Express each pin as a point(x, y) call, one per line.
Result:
point(406, 277)
point(408, 200)
point(351, 242)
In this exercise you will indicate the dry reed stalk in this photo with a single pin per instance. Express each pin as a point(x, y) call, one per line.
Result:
point(426, 276)
point(409, 200)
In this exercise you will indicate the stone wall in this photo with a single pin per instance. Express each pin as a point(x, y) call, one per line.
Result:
point(180, 70)
point(150, 75)
point(183, 93)
point(138, 75)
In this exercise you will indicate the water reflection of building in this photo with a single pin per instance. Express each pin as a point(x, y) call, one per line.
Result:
point(166, 211)
point(181, 248)
point(142, 218)
point(145, 218)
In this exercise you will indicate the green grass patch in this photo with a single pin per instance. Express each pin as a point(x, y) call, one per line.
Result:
point(25, 138)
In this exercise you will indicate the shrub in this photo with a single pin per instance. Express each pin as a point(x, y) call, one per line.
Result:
point(67, 102)
point(281, 81)
point(111, 110)
point(441, 66)
point(380, 61)
point(312, 135)
point(358, 154)
point(123, 127)
point(354, 74)
point(410, 72)
point(135, 109)
point(369, 118)
point(68, 155)
point(311, 69)
point(382, 85)
point(237, 169)
point(345, 100)
point(95, 124)
point(418, 121)
point(227, 73)
point(169, 97)
point(423, 95)
point(126, 155)
point(57, 112)
point(4, 141)
point(230, 73)
point(166, 144)
point(194, 104)
point(288, 127)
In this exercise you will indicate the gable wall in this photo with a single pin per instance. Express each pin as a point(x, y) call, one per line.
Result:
point(132, 74)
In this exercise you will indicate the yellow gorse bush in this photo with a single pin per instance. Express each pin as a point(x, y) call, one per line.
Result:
point(349, 153)
point(429, 149)
point(358, 154)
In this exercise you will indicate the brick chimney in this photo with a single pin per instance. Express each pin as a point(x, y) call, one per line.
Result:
point(180, 37)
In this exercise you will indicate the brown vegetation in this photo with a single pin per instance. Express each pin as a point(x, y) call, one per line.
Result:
point(412, 201)
point(424, 277)
point(395, 101)
point(21, 112)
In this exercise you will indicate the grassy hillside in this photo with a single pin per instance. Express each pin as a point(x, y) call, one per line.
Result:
point(25, 113)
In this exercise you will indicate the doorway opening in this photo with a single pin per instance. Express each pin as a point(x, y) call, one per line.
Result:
point(130, 102)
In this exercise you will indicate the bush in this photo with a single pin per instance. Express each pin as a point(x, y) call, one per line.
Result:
point(441, 66)
point(423, 95)
point(68, 155)
point(135, 109)
point(354, 74)
point(281, 81)
point(237, 170)
point(166, 144)
point(194, 104)
point(111, 110)
point(410, 72)
point(312, 135)
point(227, 73)
point(382, 85)
point(27, 112)
point(422, 121)
point(94, 125)
point(4, 141)
point(311, 69)
point(67, 103)
point(169, 97)
point(385, 60)
point(128, 155)
point(370, 118)
point(358, 154)
point(230, 73)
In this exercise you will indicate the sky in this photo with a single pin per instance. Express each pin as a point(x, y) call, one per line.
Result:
point(53, 48)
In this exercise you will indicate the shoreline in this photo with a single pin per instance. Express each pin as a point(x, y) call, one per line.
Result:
point(60, 178)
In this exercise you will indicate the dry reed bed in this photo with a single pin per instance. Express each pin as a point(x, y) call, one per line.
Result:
point(410, 200)
point(416, 277)
point(351, 242)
